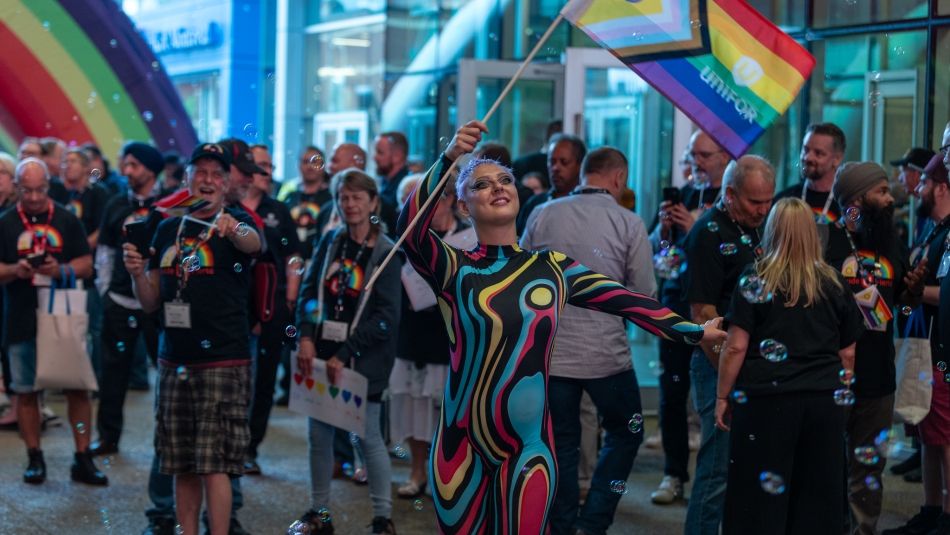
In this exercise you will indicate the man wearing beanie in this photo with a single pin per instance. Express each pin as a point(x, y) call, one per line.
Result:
point(878, 271)
point(933, 191)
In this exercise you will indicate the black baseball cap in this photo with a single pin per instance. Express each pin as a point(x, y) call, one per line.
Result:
point(213, 151)
point(917, 157)
point(241, 156)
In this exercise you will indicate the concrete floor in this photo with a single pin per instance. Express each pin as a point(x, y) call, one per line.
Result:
point(275, 499)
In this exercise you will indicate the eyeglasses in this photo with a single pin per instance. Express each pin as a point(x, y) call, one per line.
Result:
point(945, 149)
point(703, 154)
point(33, 191)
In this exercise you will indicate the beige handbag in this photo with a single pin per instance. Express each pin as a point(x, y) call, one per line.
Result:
point(914, 371)
point(62, 356)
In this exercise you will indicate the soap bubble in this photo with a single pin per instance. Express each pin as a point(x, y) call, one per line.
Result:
point(148, 116)
point(291, 331)
point(284, 241)
point(400, 452)
point(238, 267)
point(132, 322)
point(182, 373)
point(81, 428)
point(728, 248)
point(752, 288)
point(740, 397)
point(773, 351)
point(853, 214)
point(618, 486)
point(323, 514)
point(299, 528)
point(846, 377)
point(772, 483)
point(191, 263)
point(656, 368)
point(664, 244)
point(866, 455)
point(316, 162)
point(417, 504)
point(113, 43)
point(95, 174)
point(120, 346)
point(250, 130)
point(906, 310)
point(712, 226)
point(242, 229)
point(635, 425)
point(745, 239)
point(942, 365)
point(668, 262)
point(205, 344)
point(844, 397)
point(872, 483)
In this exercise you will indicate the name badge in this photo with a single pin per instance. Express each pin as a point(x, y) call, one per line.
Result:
point(874, 310)
point(944, 265)
point(334, 331)
point(177, 315)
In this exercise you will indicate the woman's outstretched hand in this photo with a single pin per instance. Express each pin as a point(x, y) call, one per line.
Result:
point(712, 334)
point(465, 140)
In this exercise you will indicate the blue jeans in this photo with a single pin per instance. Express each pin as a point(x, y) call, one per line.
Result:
point(378, 464)
point(617, 399)
point(704, 513)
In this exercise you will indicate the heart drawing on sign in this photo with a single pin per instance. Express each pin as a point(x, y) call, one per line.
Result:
point(298, 378)
point(346, 395)
point(358, 400)
point(321, 388)
point(334, 391)
point(309, 383)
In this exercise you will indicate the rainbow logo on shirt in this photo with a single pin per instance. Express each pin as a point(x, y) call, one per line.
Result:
point(883, 271)
point(75, 206)
point(354, 280)
point(54, 240)
point(204, 254)
point(822, 218)
point(305, 213)
point(138, 215)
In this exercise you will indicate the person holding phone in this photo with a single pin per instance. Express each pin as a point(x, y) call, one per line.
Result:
point(678, 212)
point(53, 239)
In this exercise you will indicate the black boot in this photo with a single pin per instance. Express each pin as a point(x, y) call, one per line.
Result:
point(921, 524)
point(36, 471)
point(85, 471)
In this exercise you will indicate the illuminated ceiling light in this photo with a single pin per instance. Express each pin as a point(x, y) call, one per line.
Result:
point(334, 72)
point(349, 41)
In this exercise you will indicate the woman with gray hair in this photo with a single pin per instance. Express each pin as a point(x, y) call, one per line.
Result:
point(343, 325)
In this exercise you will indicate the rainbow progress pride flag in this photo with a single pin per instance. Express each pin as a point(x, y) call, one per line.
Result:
point(733, 89)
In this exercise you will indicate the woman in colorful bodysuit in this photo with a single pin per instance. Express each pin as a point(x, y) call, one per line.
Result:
point(492, 461)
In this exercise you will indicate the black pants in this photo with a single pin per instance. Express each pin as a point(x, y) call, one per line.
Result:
point(674, 395)
point(121, 328)
point(800, 437)
point(270, 348)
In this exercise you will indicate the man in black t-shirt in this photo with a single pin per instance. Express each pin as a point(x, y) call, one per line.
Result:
point(40, 241)
point(310, 198)
point(707, 163)
point(199, 279)
point(124, 319)
point(721, 243)
point(876, 268)
point(822, 152)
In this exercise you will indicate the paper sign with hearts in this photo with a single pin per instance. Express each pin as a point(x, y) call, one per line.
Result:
point(308, 396)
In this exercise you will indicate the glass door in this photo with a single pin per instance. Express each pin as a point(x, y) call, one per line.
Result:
point(521, 120)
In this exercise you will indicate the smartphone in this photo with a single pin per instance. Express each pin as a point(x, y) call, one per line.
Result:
point(671, 195)
point(139, 234)
point(36, 259)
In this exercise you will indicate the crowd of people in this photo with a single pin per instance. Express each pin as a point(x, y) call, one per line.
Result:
point(494, 342)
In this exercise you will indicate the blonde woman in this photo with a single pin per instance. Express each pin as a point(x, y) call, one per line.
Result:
point(793, 324)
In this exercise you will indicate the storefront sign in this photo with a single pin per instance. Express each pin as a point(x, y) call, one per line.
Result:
point(184, 38)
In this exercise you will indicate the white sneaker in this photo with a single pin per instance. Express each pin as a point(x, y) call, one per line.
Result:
point(670, 490)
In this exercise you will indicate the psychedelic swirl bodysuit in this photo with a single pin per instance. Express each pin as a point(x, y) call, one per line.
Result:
point(492, 466)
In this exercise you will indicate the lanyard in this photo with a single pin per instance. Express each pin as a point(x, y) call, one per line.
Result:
point(931, 236)
point(824, 211)
point(867, 278)
point(343, 274)
point(37, 237)
point(203, 237)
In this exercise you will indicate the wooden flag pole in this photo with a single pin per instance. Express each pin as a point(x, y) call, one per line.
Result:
point(448, 172)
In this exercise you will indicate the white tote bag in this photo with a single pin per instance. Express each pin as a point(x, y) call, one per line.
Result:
point(914, 371)
point(62, 356)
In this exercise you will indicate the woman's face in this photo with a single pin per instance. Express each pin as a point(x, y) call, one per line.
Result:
point(490, 195)
point(356, 205)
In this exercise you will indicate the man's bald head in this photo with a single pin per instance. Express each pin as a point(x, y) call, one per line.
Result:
point(346, 155)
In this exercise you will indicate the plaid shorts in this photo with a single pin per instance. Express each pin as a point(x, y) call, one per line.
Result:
point(201, 422)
